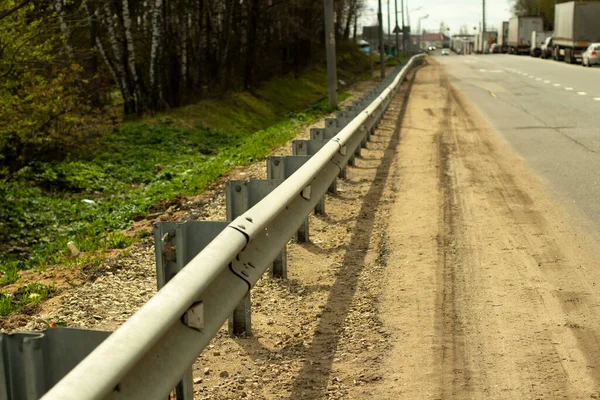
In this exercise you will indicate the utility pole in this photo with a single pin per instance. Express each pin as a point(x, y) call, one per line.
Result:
point(396, 30)
point(381, 52)
point(331, 62)
point(389, 25)
point(483, 15)
point(403, 30)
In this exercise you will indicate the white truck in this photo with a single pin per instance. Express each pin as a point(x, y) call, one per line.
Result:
point(537, 40)
point(484, 41)
point(519, 33)
point(576, 25)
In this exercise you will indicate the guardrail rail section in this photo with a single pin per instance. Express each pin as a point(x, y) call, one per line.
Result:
point(206, 269)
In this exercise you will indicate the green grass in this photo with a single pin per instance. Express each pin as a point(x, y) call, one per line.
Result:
point(31, 294)
point(87, 200)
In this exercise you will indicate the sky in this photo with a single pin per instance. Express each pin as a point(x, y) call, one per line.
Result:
point(454, 13)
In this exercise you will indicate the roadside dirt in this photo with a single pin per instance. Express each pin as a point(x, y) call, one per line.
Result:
point(490, 290)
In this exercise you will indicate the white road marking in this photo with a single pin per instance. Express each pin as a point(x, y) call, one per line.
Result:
point(597, 98)
point(568, 88)
point(538, 79)
point(581, 93)
point(557, 84)
point(546, 81)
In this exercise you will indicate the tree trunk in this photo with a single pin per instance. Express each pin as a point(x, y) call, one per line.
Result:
point(59, 7)
point(251, 44)
point(120, 75)
point(131, 59)
point(349, 18)
point(156, 38)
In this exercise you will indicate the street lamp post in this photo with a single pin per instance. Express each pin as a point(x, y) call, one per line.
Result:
point(419, 28)
point(389, 25)
point(396, 30)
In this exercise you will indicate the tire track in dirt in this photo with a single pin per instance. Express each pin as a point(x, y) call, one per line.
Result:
point(453, 363)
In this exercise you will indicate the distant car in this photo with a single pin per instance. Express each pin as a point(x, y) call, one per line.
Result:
point(445, 52)
point(591, 56)
point(431, 48)
point(496, 48)
point(547, 48)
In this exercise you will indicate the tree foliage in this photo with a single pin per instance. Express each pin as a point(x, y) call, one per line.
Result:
point(64, 63)
point(45, 99)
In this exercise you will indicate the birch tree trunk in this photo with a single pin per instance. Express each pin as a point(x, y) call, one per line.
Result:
point(59, 7)
point(156, 39)
point(121, 72)
point(184, 39)
point(131, 59)
point(104, 56)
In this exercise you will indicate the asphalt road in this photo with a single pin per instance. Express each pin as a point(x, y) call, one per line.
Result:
point(549, 112)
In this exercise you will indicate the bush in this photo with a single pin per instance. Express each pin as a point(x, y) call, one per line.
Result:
point(46, 118)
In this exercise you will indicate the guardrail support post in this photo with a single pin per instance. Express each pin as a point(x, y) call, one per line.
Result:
point(323, 134)
point(281, 168)
point(240, 323)
point(310, 148)
point(175, 245)
point(240, 196)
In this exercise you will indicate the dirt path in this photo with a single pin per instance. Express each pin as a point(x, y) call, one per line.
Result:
point(490, 292)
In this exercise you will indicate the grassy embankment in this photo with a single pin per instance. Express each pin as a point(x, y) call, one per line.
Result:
point(89, 199)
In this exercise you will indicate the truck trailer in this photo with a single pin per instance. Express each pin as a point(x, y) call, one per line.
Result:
point(519, 33)
point(576, 25)
point(537, 40)
point(484, 41)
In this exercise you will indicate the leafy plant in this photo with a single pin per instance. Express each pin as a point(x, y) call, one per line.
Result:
point(31, 294)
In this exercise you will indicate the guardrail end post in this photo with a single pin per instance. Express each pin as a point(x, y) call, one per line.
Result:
point(279, 268)
point(240, 322)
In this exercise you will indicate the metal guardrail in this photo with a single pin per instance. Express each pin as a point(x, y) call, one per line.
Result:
point(147, 356)
point(32, 362)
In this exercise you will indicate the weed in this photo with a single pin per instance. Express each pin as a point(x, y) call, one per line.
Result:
point(117, 240)
point(31, 294)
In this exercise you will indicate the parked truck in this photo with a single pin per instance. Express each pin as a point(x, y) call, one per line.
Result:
point(503, 37)
point(576, 25)
point(519, 33)
point(485, 40)
point(537, 40)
